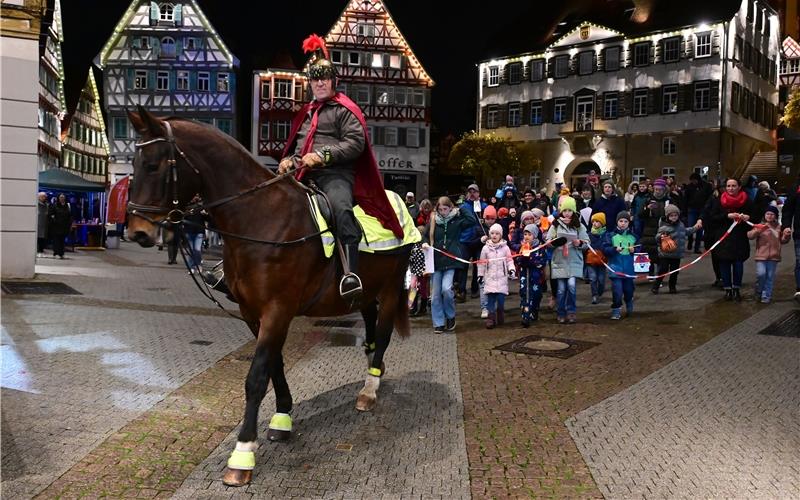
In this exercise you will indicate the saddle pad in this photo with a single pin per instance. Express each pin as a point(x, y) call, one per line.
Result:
point(376, 238)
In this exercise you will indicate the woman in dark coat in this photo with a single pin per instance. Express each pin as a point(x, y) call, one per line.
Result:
point(60, 224)
point(650, 217)
point(733, 204)
point(710, 237)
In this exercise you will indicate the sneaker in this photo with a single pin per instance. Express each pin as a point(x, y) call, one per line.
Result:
point(595, 299)
point(451, 325)
point(484, 313)
point(438, 329)
point(766, 300)
point(561, 320)
point(616, 314)
point(571, 319)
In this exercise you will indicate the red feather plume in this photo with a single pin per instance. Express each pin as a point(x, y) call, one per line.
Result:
point(314, 42)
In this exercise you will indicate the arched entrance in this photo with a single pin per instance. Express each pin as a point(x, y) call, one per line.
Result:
point(577, 177)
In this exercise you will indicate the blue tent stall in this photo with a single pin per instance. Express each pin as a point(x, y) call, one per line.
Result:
point(87, 202)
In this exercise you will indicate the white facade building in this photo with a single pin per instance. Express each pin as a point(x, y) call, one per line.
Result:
point(634, 103)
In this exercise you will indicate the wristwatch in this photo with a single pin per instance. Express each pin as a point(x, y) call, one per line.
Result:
point(325, 155)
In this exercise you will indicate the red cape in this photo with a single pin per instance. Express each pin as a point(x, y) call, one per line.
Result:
point(368, 190)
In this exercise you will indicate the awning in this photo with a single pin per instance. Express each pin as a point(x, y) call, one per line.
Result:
point(118, 201)
point(58, 178)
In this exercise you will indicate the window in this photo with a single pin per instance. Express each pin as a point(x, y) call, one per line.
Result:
point(366, 31)
point(384, 96)
point(671, 50)
point(120, 128)
point(756, 61)
point(537, 70)
point(377, 60)
point(586, 63)
point(224, 125)
point(203, 81)
point(144, 42)
point(492, 120)
point(759, 20)
point(702, 96)
point(412, 137)
point(640, 102)
point(395, 61)
point(494, 76)
point(668, 172)
point(735, 97)
point(140, 83)
point(745, 103)
point(753, 106)
point(738, 49)
point(536, 180)
point(536, 112)
point(612, 58)
point(162, 80)
point(638, 174)
point(167, 12)
point(336, 56)
point(400, 96)
point(354, 58)
point(641, 54)
point(514, 114)
point(702, 45)
point(610, 106)
point(747, 54)
point(390, 136)
point(418, 97)
point(559, 111)
point(361, 94)
point(514, 73)
point(265, 90)
point(265, 131)
point(192, 43)
point(223, 82)
point(282, 128)
point(562, 66)
point(283, 89)
point(669, 99)
point(167, 47)
point(668, 146)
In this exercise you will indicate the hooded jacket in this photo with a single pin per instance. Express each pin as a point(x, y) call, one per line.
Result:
point(619, 261)
point(495, 272)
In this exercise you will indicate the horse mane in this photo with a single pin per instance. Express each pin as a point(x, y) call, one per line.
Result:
point(223, 136)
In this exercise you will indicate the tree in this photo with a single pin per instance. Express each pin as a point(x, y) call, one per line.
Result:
point(485, 157)
point(791, 113)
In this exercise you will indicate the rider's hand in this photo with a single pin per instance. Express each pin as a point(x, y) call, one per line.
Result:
point(312, 160)
point(285, 165)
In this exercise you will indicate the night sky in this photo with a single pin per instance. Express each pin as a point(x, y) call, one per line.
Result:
point(448, 37)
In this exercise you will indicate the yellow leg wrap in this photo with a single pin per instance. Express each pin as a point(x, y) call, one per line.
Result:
point(242, 460)
point(281, 422)
point(375, 372)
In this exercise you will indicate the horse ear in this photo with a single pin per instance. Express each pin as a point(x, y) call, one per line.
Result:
point(146, 123)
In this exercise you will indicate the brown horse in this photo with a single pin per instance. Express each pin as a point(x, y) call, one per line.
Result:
point(272, 283)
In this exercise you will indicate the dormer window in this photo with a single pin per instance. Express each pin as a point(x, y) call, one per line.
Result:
point(167, 12)
point(167, 47)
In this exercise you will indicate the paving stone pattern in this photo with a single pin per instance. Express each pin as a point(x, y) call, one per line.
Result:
point(720, 422)
point(410, 446)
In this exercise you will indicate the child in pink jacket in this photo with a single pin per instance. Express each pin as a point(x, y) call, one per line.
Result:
point(494, 272)
point(769, 239)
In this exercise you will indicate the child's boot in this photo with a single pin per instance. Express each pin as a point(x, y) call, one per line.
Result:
point(500, 316)
point(490, 321)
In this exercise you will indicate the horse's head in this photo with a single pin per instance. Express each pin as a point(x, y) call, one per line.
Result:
point(163, 182)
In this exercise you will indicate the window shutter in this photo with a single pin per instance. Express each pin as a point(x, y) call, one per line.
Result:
point(212, 81)
point(682, 48)
point(379, 135)
point(526, 112)
point(628, 58)
point(653, 101)
point(714, 98)
point(598, 106)
point(685, 97)
point(179, 48)
point(155, 12)
point(503, 75)
point(715, 42)
point(130, 77)
point(624, 104)
point(658, 52)
point(422, 137)
point(177, 14)
point(551, 67)
point(484, 116)
point(547, 111)
point(173, 79)
point(690, 46)
point(502, 116)
point(193, 80)
point(572, 65)
point(526, 72)
point(155, 43)
point(401, 136)
point(601, 60)
point(151, 79)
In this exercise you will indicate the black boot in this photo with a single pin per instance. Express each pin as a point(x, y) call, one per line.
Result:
point(350, 285)
point(728, 294)
point(736, 295)
point(216, 280)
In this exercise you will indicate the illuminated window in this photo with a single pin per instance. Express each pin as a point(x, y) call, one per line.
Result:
point(223, 82)
point(702, 46)
point(162, 80)
point(514, 114)
point(669, 99)
point(494, 76)
point(203, 81)
point(167, 12)
point(377, 60)
point(536, 112)
point(395, 61)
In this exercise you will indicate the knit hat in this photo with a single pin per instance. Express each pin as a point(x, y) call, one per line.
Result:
point(660, 182)
point(567, 203)
point(473, 186)
point(531, 228)
point(496, 228)
point(773, 209)
point(610, 182)
point(599, 217)
point(623, 214)
point(537, 212)
point(503, 212)
point(671, 209)
point(527, 214)
point(490, 212)
point(564, 191)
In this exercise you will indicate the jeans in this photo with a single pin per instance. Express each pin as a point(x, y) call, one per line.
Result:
point(765, 278)
point(797, 263)
point(196, 246)
point(621, 288)
point(697, 237)
point(666, 265)
point(443, 305)
point(462, 275)
point(484, 300)
point(566, 297)
point(497, 302)
point(530, 293)
point(597, 277)
point(731, 271)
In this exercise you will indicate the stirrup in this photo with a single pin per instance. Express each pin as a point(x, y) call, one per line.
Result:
point(350, 286)
point(213, 278)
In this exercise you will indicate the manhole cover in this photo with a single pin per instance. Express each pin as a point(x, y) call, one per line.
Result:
point(787, 326)
point(340, 323)
point(554, 347)
point(37, 288)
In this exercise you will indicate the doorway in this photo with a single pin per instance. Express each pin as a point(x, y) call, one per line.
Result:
point(577, 178)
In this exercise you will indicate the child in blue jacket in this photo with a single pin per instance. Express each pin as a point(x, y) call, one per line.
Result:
point(531, 274)
point(618, 245)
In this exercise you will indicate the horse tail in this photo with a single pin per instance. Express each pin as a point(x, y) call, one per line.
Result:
point(401, 323)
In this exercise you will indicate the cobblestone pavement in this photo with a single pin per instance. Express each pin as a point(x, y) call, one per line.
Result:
point(410, 446)
point(720, 422)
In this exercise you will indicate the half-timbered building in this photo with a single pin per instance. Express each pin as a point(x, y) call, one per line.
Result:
point(167, 57)
point(85, 148)
point(51, 88)
point(789, 139)
point(641, 93)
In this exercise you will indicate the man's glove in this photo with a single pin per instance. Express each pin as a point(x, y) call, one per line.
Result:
point(285, 164)
point(312, 160)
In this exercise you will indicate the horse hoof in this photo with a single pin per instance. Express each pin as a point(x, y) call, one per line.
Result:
point(278, 435)
point(237, 477)
point(365, 403)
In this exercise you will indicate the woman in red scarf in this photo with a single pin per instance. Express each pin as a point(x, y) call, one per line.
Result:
point(733, 204)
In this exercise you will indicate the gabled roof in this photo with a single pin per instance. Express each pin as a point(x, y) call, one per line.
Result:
point(89, 87)
point(791, 49)
point(102, 57)
point(585, 32)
